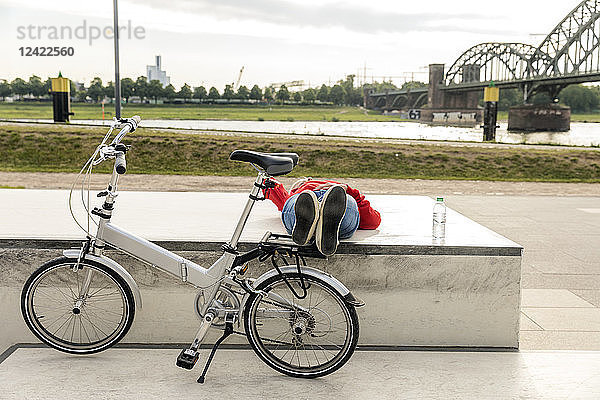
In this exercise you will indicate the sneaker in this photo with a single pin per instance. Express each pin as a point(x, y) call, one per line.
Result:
point(333, 208)
point(307, 215)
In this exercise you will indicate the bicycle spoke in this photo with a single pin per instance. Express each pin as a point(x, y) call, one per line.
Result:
point(315, 353)
point(92, 313)
point(306, 354)
point(49, 307)
point(58, 318)
point(104, 310)
point(115, 294)
point(73, 329)
point(56, 299)
point(323, 351)
point(102, 288)
point(85, 330)
point(277, 339)
point(93, 325)
point(63, 324)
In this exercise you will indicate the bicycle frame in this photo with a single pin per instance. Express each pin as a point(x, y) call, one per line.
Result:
point(164, 259)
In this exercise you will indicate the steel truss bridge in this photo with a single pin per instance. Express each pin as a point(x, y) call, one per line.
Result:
point(568, 55)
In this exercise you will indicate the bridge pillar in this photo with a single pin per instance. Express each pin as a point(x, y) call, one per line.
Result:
point(368, 101)
point(448, 108)
point(539, 117)
point(436, 79)
point(389, 100)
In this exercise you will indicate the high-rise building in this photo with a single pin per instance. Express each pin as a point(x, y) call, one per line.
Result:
point(153, 72)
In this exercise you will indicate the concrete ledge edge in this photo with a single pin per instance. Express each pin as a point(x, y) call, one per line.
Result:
point(344, 248)
point(206, 346)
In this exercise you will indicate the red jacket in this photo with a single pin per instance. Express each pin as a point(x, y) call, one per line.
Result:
point(369, 217)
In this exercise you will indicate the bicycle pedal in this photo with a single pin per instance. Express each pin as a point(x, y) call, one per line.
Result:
point(187, 358)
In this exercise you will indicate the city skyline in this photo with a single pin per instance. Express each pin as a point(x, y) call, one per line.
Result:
point(206, 44)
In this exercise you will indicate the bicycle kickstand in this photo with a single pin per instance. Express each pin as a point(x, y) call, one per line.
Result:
point(228, 331)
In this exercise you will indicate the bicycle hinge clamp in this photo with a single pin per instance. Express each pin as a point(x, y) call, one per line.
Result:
point(184, 271)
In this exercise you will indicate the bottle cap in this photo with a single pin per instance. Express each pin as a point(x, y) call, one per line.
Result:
point(440, 199)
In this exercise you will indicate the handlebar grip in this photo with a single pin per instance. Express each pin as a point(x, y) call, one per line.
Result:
point(120, 164)
point(133, 123)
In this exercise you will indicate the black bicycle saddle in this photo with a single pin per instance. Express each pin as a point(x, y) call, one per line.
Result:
point(274, 164)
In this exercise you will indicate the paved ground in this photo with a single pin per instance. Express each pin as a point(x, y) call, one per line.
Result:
point(561, 264)
point(152, 374)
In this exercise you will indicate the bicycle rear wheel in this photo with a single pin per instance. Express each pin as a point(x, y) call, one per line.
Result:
point(60, 314)
point(304, 338)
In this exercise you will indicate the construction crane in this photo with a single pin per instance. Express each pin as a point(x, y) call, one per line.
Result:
point(237, 84)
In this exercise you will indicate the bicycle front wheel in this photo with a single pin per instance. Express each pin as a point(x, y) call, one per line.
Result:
point(79, 311)
point(304, 338)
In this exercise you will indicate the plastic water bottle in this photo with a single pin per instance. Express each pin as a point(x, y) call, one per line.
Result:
point(439, 219)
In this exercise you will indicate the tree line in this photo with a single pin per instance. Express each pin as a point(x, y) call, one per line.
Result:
point(579, 97)
point(343, 92)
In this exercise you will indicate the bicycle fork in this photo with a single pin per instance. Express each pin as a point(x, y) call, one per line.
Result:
point(83, 292)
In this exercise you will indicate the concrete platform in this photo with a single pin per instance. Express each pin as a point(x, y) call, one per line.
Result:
point(193, 217)
point(463, 291)
point(151, 374)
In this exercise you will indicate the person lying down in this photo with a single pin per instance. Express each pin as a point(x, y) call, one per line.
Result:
point(323, 209)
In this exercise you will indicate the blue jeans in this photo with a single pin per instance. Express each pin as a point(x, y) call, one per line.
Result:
point(349, 223)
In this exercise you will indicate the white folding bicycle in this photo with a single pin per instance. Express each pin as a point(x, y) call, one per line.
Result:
point(300, 321)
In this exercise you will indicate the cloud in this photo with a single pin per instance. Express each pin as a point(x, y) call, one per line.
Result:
point(326, 15)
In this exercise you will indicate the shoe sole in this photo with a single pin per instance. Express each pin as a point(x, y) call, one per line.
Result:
point(307, 211)
point(333, 208)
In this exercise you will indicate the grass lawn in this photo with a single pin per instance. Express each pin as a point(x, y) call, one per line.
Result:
point(59, 148)
point(196, 111)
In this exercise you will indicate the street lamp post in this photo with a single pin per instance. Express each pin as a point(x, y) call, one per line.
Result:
point(117, 78)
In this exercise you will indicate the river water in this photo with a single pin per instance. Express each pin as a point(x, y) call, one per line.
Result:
point(581, 134)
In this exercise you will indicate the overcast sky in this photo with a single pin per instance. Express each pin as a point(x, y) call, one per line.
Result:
point(206, 42)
